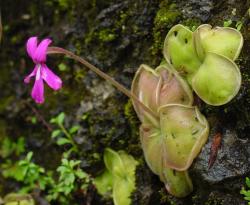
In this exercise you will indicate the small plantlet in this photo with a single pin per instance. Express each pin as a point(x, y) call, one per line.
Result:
point(69, 173)
point(246, 192)
point(29, 173)
point(10, 147)
point(118, 180)
point(64, 136)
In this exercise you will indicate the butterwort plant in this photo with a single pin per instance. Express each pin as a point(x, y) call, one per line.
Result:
point(173, 130)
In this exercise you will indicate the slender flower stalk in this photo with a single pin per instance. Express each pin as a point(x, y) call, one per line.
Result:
point(57, 50)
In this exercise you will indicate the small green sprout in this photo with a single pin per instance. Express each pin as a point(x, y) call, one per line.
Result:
point(69, 173)
point(227, 23)
point(64, 136)
point(245, 192)
point(118, 178)
point(10, 147)
point(31, 174)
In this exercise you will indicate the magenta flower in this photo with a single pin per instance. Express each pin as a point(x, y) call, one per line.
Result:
point(38, 53)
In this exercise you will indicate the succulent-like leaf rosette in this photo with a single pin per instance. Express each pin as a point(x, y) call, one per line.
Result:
point(171, 142)
point(206, 59)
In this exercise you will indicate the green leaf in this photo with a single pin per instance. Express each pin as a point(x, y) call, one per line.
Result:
point(248, 182)
point(113, 162)
point(55, 133)
point(18, 199)
point(74, 129)
point(73, 163)
point(218, 80)
point(20, 146)
point(81, 174)
point(180, 52)
point(7, 147)
point(122, 191)
point(60, 118)
point(223, 41)
point(63, 141)
point(62, 67)
point(227, 23)
point(104, 183)
point(184, 131)
point(33, 120)
point(29, 156)
point(178, 183)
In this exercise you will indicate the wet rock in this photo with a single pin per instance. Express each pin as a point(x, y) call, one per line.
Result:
point(196, 9)
point(233, 158)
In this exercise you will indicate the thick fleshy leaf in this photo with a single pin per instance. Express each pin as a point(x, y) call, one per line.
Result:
point(32, 74)
point(145, 87)
point(130, 163)
point(38, 89)
point(31, 46)
point(122, 191)
point(178, 183)
point(152, 144)
point(104, 183)
point(173, 89)
point(220, 40)
point(186, 130)
point(180, 52)
point(159, 87)
point(120, 175)
point(41, 51)
point(18, 199)
point(123, 187)
point(218, 80)
point(50, 78)
point(154, 148)
point(114, 162)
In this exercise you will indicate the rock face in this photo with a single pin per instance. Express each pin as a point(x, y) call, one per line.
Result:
point(118, 36)
point(232, 159)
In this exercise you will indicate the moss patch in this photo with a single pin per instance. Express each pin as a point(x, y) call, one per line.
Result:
point(165, 18)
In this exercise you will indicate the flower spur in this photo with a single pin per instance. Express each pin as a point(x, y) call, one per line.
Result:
point(38, 53)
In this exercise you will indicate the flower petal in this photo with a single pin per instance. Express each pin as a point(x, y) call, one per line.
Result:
point(31, 46)
point(40, 54)
point(32, 74)
point(51, 79)
point(38, 89)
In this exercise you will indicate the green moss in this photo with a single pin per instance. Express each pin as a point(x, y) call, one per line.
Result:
point(106, 35)
point(166, 198)
point(192, 24)
point(2, 129)
point(165, 18)
point(4, 102)
point(131, 117)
